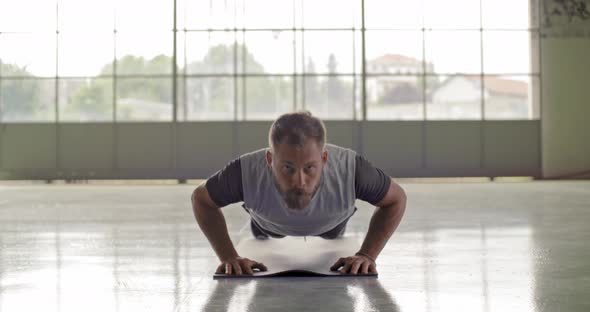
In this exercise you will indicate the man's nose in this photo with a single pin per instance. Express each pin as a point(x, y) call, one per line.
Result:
point(300, 179)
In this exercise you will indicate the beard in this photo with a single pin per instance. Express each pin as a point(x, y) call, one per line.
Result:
point(296, 199)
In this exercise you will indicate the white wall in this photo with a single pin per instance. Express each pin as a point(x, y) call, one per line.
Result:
point(565, 121)
point(458, 89)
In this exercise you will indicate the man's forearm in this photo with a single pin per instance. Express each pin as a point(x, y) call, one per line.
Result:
point(383, 223)
point(212, 223)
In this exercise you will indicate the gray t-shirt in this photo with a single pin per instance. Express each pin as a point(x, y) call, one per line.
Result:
point(347, 176)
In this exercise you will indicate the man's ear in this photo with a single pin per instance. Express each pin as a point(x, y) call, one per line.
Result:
point(268, 158)
point(325, 156)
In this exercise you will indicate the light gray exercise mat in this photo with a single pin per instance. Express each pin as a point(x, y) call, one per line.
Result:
point(296, 256)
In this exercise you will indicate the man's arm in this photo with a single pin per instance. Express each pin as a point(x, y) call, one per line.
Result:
point(384, 222)
point(212, 223)
point(372, 185)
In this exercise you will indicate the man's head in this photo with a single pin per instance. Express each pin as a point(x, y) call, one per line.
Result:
point(297, 156)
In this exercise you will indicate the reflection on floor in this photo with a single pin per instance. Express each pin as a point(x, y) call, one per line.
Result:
point(461, 247)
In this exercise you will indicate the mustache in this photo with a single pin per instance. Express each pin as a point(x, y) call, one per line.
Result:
point(297, 192)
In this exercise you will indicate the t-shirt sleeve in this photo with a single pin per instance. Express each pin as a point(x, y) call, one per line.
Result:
point(225, 186)
point(370, 183)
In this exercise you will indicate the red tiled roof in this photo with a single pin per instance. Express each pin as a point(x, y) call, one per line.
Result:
point(395, 59)
point(506, 86)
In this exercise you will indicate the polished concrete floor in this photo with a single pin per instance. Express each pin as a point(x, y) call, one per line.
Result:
point(461, 247)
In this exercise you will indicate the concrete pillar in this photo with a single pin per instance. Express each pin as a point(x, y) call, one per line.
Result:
point(565, 94)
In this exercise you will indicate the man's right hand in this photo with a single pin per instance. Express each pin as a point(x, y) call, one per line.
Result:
point(239, 266)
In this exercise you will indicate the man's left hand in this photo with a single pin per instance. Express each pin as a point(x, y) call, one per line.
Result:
point(357, 264)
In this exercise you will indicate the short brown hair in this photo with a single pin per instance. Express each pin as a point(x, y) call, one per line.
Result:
point(295, 128)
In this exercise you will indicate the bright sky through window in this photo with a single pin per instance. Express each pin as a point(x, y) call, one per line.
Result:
point(86, 32)
point(238, 58)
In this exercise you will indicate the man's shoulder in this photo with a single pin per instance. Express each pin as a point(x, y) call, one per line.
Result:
point(255, 152)
point(254, 156)
point(259, 156)
point(254, 161)
point(334, 149)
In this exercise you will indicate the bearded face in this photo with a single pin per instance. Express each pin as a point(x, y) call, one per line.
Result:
point(297, 171)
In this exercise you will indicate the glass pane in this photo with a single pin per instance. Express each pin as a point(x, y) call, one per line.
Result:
point(266, 14)
point(206, 99)
point(394, 52)
point(510, 97)
point(453, 14)
point(209, 52)
point(299, 95)
point(241, 96)
point(336, 57)
point(393, 14)
point(89, 99)
point(146, 99)
point(346, 16)
point(395, 97)
point(358, 52)
point(86, 54)
point(301, 59)
point(268, 52)
point(498, 59)
point(144, 53)
point(512, 14)
point(329, 97)
point(358, 98)
point(453, 51)
point(205, 14)
point(535, 53)
point(19, 15)
point(268, 97)
point(27, 55)
point(27, 100)
point(80, 15)
point(453, 97)
point(141, 15)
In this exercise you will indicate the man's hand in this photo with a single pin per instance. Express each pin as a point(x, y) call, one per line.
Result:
point(357, 264)
point(239, 266)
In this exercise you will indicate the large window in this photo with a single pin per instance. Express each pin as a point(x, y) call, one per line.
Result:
point(456, 59)
point(131, 60)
